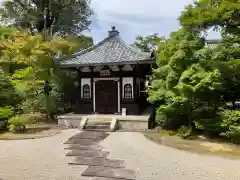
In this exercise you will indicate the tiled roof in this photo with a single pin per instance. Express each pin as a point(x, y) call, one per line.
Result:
point(112, 50)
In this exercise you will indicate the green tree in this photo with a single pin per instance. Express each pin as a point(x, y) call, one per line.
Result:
point(192, 81)
point(182, 80)
point(147, 43)
point(224, 16)
point(205, 14)
point(8, 95)
point(52, 16)
point(35, 53)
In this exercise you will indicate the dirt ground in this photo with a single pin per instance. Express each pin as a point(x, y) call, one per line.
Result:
point(36, 131)
point(201, 145)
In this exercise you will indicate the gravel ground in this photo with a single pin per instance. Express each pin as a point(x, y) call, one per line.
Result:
point(38, 159)
point(155, 162)
point(44, 159)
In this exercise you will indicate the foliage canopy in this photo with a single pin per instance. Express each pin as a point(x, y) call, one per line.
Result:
point(193, 82)
point(52, 16)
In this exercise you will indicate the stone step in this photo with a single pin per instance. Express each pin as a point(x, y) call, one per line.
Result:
point(86, 153)
point(81, 147)
point(98, 122)
point(81, 141)
point(103, 178)
point(108, 172)
point(98, 126)
point(102, 118)
point(97, 161)
point(90, 135)
point(98, 130)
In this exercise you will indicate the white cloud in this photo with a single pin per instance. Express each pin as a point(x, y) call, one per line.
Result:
point(135, 17)
point(148, 8)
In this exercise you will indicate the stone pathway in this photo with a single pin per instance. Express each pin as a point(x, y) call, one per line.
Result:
point(85, 147)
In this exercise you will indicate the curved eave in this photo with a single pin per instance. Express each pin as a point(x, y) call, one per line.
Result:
point(147, 61)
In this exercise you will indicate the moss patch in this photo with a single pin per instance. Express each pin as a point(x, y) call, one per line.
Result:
point(196, 144)
point(34, 132)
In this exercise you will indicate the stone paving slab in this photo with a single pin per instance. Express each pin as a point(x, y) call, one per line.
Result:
point(96, 161)
point(81, 141)
point(98, 136)
point(88, 153)
point(103, 178)
point(107, 172)
point(84, 147)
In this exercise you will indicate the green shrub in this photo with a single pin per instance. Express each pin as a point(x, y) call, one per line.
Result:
point(170, 120)
point(229, 118)
point(8, 95)
point(20, 123)
point(172, 133)
point(209, 126)
point(234, 134)
point(184, 132)
point(31, 105)
point(5, 113)
point(230, 123)
point(35, 117)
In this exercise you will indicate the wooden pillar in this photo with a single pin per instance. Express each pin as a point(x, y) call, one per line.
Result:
point(134, 82)
point(92, 90)
point(79, 84)
point(119, 97)
point(120, 67)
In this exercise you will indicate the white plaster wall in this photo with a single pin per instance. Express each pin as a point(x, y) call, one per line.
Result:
point(127, 80)
point(85, 81)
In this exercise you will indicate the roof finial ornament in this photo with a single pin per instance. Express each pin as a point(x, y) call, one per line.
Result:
point(113, 32)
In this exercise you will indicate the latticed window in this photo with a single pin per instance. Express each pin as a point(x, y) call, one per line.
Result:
point(86, 91)
point(127, 91)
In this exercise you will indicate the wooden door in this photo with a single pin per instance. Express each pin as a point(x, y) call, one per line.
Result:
point(106, 96)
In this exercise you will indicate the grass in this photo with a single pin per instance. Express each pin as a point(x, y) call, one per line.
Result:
point(36, 131)
point(197, 144)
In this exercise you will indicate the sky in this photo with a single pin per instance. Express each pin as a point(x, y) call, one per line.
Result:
point(136, 17)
